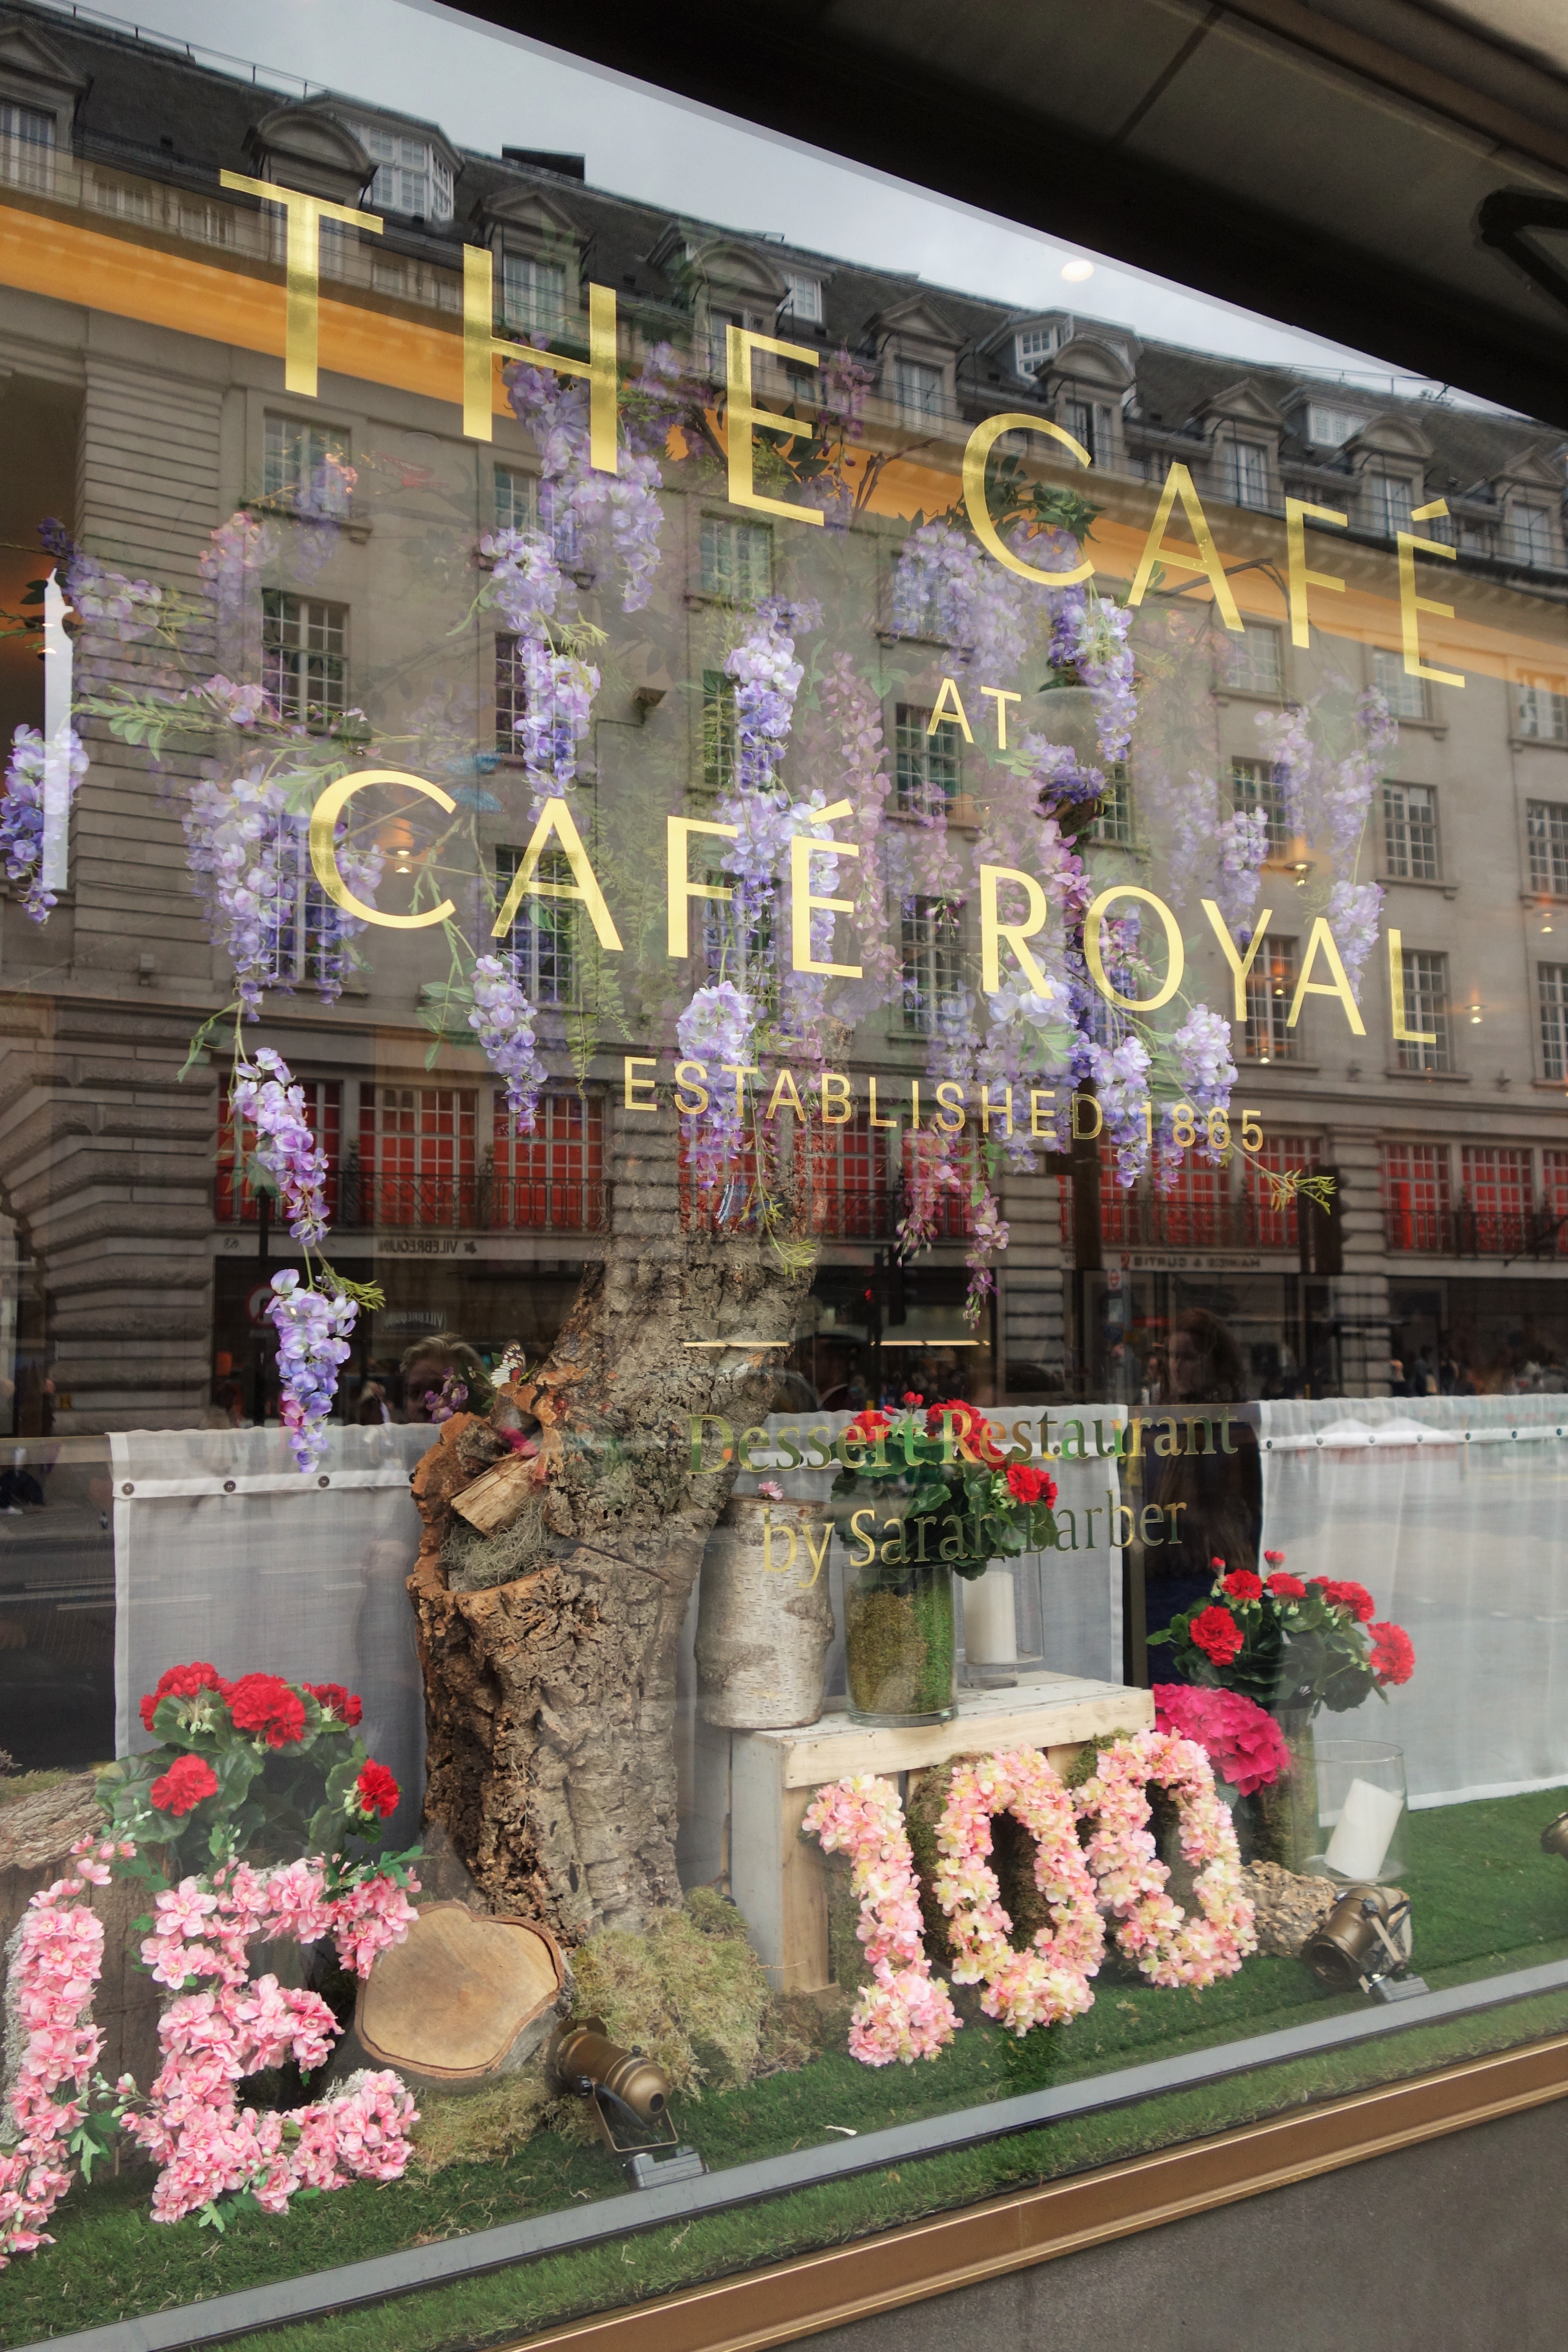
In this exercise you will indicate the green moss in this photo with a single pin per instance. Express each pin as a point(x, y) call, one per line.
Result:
point(899, 1646)
point(14, 1786)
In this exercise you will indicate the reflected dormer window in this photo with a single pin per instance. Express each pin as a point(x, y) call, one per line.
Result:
point(410, 177)
point(1034, 347)
point(533, 295)
point(803, 298)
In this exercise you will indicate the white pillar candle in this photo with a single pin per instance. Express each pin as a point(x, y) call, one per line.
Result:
point(991, 1619)
point(1362, 1832)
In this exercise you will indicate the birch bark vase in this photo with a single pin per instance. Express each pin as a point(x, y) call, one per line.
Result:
point(764, 1618)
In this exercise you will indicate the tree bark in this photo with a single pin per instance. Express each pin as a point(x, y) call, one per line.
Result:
point(550, 1698)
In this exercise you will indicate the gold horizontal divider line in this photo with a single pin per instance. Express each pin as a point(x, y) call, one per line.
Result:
point(923, 2259)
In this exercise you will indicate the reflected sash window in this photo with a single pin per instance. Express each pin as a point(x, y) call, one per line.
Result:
point(27, 137)
point(542, 940)
point(803, 297)
point(1270, 986)
point(1530, 538)
point(1251, 662)
point(554, 1175)
point(1276, 1227)
point(305, 467)
point(1116, 819)
point(410, 177)
point(916, 389)
point(532, 294)
point(1391, 501)
point(1254, 784)
point(511, 698)
point(303, 668)
point(932, 966)
point(1546, 826)
point(1543, 713)
point(1551, 989)
point(1410, 832)
point(1405, 695)
point(1425, 1008)
point(737, 560)
point(718, 730)
point(926, 766)
point(1246, 474)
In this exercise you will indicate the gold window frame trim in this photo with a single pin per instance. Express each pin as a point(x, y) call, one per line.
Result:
point(921, 2260)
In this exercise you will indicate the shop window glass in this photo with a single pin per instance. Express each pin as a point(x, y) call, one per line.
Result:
point(1496, 1200)
point(417, 1156)
point(1410, 832)
point(1416, 1195)
point(552, 1177)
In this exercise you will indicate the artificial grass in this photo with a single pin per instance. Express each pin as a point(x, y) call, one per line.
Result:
point(1486, 1899)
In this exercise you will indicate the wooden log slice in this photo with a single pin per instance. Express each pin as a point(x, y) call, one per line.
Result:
point(465, 1998)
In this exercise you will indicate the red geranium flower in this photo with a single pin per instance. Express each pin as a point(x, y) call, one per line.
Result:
point(1393, 1653)
point(1218, 1635)
point(1275, 1558)
point(1242, 1585)
point(181, 1788)
point(1027, 1485)
point(1285, 1588)
point(181, 1682)
point(377, 1790)
point(910, 1399)
point(1355, 1598)
point(332, 1699)
point(869, 1425)
point(268, 1707)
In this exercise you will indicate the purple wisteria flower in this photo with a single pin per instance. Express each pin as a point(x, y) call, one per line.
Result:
point(1121, 1074)
point(525, 581)
point(1203, 1056)
point(266, 1098)
point(314, 1331)
point(1242, 846)
point(767, 679)
point(558, 708)
point(22, 813)
point(246, 848)
point(944, 587)
point(717, 1027)
point(502, 1018)
point(237, 552)
point(580, 505)
point(1355, 913)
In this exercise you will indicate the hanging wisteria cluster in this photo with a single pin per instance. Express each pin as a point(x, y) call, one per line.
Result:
point(23, 814)
point(502, 1020)
point(1327, 790)
point(314, 1330)
point(265, 1098)
point(247, 847)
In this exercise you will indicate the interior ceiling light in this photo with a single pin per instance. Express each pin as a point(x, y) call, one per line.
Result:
point(1076, 271)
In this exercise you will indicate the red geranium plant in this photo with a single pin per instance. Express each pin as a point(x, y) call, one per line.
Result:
point(941, 1464)
point(1287, 1645)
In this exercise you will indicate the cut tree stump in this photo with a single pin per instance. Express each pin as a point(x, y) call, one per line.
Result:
point(36, 1834)
point(464, 1999)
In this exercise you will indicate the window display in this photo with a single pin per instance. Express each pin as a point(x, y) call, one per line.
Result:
point(783, 1286)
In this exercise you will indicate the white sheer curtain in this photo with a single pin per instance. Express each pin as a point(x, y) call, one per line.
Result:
point(223, 1552)
point(1451, 1511)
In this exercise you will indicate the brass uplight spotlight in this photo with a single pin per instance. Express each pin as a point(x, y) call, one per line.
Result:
point(1554, 1837)
point(1365, 1942)
point(633, 2090)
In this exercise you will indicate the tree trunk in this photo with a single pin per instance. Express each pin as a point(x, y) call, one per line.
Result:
point(550, 1697)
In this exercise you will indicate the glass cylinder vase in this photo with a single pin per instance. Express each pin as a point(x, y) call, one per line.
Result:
point(1279, 1823)
point(1003, 1633)
point(900, 1648)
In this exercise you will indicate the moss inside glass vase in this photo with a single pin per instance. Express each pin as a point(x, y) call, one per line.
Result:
point(900, 1645)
